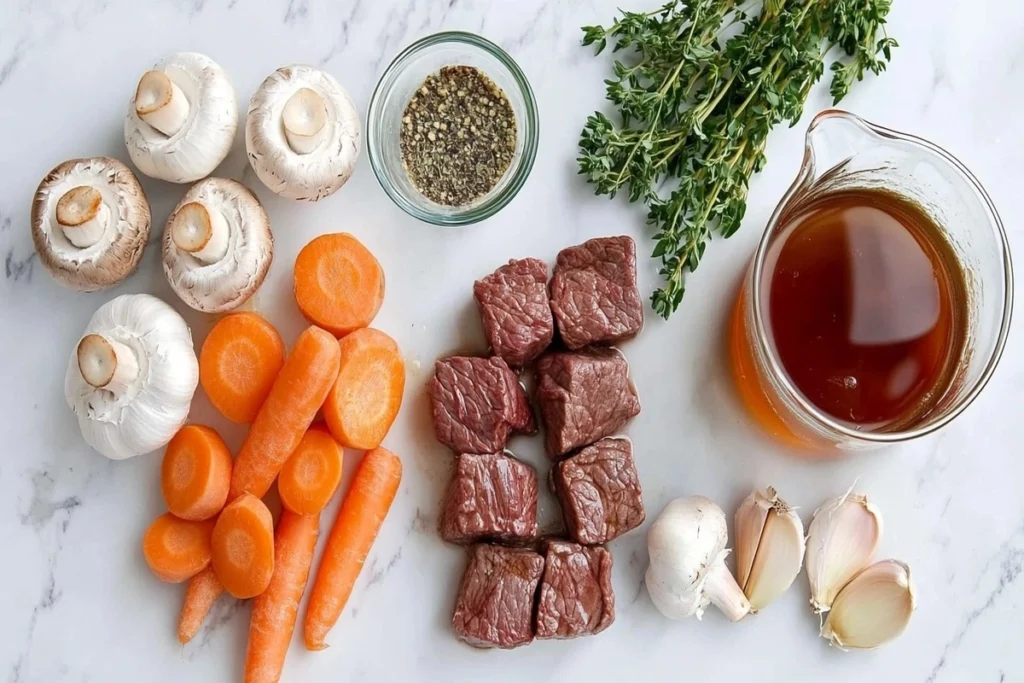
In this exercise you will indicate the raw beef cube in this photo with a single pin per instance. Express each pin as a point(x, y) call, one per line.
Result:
point(491, 496)
point(516, 311)
point(478, 403)
point(583, 396)
point(600, 491)
point(495, 603)
point(576, 597)
point(594, 293)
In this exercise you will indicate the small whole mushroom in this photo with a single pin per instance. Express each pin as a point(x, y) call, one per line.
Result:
point(182, 119)
point(687, 571)
point(217, 245)
point(302, 133)
point(132, 375)
point(90, 223)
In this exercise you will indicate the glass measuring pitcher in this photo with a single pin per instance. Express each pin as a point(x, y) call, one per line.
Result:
point(846, 153)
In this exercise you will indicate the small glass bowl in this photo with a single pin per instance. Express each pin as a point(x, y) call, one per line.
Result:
point(396, 87)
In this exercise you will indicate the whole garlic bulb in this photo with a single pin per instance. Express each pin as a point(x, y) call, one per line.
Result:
point(131, 378)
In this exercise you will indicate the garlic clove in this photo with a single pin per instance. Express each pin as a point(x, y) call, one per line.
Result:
point(304, 117)
point(841, 541)
point(161, 103)
point(749, 523)
point(778, 550)
point(872, 609)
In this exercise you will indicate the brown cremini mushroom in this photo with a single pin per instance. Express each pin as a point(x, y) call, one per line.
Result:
point(90, 223)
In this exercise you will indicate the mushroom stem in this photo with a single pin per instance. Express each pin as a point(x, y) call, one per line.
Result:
point(107, 364)
point(82, 215)
point(724, 592)
point(305, 120)
point(197, 230)
point(161, 103)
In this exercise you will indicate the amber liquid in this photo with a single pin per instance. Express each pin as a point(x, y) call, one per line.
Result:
point(867, 308)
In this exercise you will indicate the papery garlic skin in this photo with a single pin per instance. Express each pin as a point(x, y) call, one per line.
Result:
point(687, 550)
point(841, 541)
point(293, 165)
point(149, 410)
point(873, 608)
point(769, 547)
point(205, 136)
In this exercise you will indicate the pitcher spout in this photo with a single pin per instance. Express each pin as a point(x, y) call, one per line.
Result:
point(833, 139)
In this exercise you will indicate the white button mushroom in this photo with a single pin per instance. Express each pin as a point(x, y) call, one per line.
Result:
point(302, 133)
point(687, 571)
point(217, 245)
point(90, 223)
point(182, 120)
point(131, 378)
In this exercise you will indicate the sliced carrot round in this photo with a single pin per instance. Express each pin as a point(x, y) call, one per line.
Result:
point(177, 549)
point(196, 473)
point(243, 547)
point(311, 474)
point(339, 284)
point(365, 400)
point(238, 364)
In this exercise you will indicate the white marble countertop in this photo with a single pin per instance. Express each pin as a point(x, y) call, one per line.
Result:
point(78, 603)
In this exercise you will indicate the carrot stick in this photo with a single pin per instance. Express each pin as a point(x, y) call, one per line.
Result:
point(177, 549)
point(275, 610)
point(243, 547)
point(359, 519)
point(339, 285)
point(238, 363)
point(196, 473)
point(298, 392)
point(363, 403)
point(311, 474)
point(203, 590)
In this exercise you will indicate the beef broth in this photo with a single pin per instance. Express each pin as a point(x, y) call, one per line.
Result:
point(867, 307)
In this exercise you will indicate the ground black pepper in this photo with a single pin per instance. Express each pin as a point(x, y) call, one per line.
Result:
point(458, 136)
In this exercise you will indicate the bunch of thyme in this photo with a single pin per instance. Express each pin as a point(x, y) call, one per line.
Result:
point(696, 108)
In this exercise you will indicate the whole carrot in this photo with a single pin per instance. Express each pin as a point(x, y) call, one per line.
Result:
point(275, 610)
point(362, 512)
point(298, 392)
point(203, 590)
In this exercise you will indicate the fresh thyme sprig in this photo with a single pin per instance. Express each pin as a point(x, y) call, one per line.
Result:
point(696, 108)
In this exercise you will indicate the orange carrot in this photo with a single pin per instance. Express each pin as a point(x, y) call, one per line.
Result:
point(275, 610)
point(238, 363)
point(362, 512)
point(203, 590)
point(196, 473)
point(311, 474)
point(297, 394)
point(243, 547)
point(364, 401)
point(177, 549)
point(339, 285)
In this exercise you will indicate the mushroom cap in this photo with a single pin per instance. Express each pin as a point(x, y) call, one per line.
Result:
point(227, 283)
point(205, 138)
point(154, 407)
point(117, 253)
point(323, 171)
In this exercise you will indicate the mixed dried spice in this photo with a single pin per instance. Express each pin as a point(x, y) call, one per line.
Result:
point(458, 136)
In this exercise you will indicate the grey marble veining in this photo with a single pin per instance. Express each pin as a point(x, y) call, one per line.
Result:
point(78, 601)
